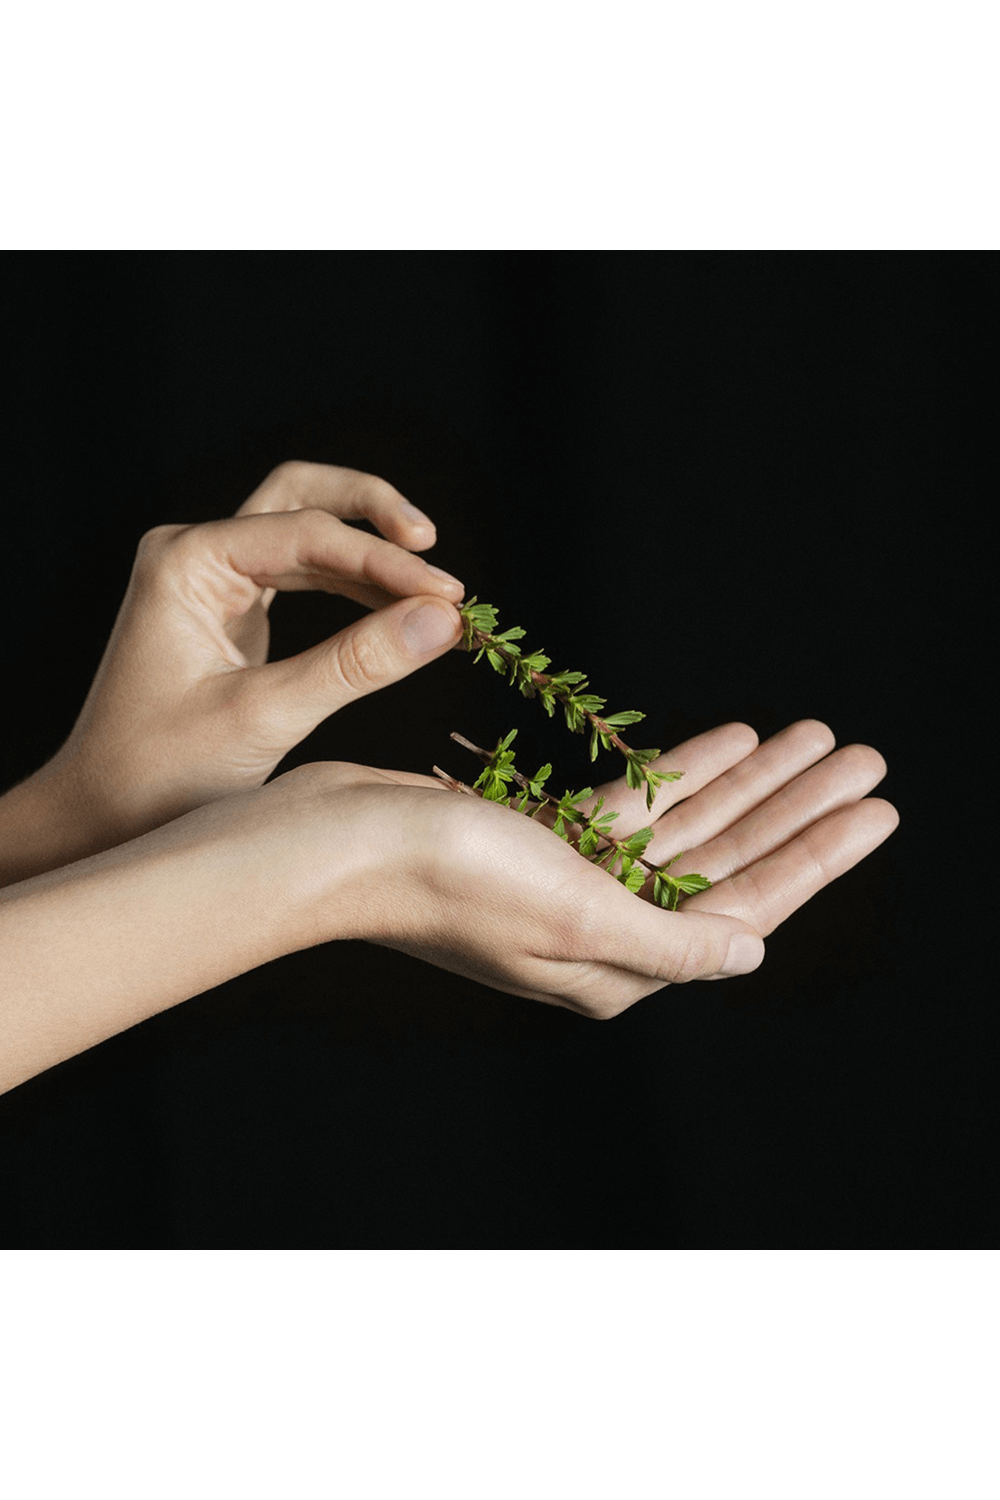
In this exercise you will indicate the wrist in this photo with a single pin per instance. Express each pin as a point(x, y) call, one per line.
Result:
point(323, 836)
point(353, 846)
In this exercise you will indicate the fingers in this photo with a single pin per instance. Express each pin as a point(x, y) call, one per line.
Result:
point(718, 804)
point(702, 760)
point(768, 891)
point(348, 494)
point(760, 897)
point(231, 561)
point(377, 650)
point(841, 779)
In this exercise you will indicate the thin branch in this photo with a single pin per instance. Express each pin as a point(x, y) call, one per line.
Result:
point(456, 786)
point(525, 785)
point(482, 640)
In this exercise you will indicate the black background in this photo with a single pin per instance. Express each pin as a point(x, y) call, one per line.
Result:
point(729, 486)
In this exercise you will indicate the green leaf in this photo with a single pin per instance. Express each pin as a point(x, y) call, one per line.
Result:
point(476, 616)
point(538, 781)
point(588, 841)
point(622, 720)
point(668, 888)
point(636, 842)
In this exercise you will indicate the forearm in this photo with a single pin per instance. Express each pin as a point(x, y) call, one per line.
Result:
point(89, 950)
point(47, 821)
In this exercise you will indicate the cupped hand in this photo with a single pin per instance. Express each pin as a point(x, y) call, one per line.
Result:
point(768, 824)
point(483, 891)
point(185, 707)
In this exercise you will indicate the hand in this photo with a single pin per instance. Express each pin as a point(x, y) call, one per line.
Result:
point(184, 708)
point(340, 851)
point(485, 892)
point(769, 825)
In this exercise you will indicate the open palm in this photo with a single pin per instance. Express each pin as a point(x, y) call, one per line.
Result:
point(497, 897)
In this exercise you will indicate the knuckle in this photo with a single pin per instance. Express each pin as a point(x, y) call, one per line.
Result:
point(292, 474)
point(358, 663)
point(159, 546)
point(156, 538)
point(575, 926)
point(320, 525)
point(687, 961)
point(312, 529)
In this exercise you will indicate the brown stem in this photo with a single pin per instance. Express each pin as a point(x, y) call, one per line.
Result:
point(456, 786)
point(482, 639)
point(525, 785)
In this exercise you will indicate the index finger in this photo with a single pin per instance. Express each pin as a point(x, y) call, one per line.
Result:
point(303, 549)
point(348, 494)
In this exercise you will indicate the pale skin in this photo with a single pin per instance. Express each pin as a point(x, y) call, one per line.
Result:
point(148, 862)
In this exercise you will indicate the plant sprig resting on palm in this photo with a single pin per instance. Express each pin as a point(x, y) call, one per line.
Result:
point(588, 832)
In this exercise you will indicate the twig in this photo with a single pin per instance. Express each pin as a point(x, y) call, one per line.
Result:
point(525, 785)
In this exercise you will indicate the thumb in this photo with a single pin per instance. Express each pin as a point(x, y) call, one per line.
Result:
point(675, 947)
point(706, 946)
point(379, 649)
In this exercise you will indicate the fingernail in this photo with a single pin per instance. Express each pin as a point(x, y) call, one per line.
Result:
point(427, 627)
point(745, 954)
point(416, 517)
point(446, 577)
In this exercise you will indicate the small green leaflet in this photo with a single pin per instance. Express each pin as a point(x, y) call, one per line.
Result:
point(667, 889)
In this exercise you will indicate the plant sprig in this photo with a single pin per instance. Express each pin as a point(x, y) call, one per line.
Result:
point(623, 858)
point(525, 670)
